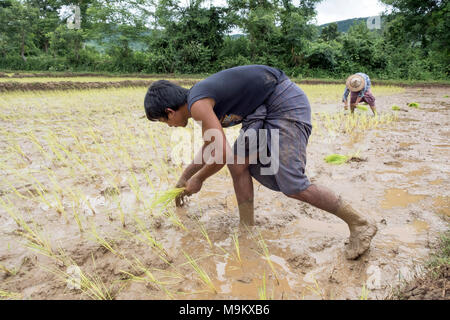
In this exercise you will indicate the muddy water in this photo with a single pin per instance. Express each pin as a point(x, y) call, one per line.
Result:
point(399, 198)
point(295, 251)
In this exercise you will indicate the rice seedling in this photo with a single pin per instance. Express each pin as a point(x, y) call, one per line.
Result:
point(148, 238)
point(396, 108)
point(332, 125)
point(5, 295)
point(76, 214)
point(16, 147)
point(134, 185)
point(148, 277)
point(76, 198)
point(91, 285)
point(167, 197)
point(172, 216)
point(362, 108)
point(413, 105)
point(236, 247)
point(35, 240)
point(316, 289)
point(265, 252)
point(262, 292)
point(8, 271)
point(204, 232)
point(336, 159)
point(121, 212)
point(103, 242)
point(17, 193)
point(39, 188)
point(202, 275)
point(364, 293)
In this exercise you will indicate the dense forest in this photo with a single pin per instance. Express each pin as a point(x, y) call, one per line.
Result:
point(196, 38)
point(344, 25)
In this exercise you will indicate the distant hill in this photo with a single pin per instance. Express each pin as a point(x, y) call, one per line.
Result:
point(344, 25)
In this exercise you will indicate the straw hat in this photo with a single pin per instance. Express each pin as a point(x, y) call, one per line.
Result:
point(355, 83)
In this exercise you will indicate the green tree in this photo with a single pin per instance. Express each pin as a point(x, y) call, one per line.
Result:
point(424, 25)
point(192, 36)
point(65, 42)
point(330, 32)
point(17, 25)
point(48, 20)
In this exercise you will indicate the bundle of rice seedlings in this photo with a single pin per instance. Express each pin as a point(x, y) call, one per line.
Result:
point(413, 105)
point(166, 197)
point(336, 159)
point(362, 108)
point(396, 108)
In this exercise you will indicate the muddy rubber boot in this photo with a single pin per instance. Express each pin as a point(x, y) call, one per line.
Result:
point(362, 230)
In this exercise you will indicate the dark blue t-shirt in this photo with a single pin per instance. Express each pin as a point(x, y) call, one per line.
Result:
point(237, 92)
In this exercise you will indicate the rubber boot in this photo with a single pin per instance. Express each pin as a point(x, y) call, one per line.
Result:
point(362, 230)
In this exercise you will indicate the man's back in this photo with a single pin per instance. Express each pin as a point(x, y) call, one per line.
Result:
point(238, 91)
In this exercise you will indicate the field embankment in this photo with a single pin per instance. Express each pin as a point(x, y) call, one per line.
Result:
point(81, 81)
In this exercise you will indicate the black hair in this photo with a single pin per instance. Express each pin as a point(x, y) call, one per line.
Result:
point(161, 95)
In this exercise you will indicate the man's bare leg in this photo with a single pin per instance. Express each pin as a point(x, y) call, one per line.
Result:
point(243, 188)
point(362, 229)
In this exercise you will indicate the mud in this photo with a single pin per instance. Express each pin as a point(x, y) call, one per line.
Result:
point(296, 250)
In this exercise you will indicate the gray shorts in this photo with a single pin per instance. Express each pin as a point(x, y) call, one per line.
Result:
point(289, 111)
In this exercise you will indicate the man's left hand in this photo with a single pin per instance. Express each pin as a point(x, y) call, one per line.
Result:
point(193, 185)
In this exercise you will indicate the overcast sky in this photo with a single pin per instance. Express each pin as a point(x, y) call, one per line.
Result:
point(336, 10)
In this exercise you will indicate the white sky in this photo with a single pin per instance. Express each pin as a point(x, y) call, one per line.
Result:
point(337, 10)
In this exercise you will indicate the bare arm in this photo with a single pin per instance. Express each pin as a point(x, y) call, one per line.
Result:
point(213, 136)
point(215, 148)
point(194, 167)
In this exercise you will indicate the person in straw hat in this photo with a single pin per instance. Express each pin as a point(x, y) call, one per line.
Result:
point(275, 115)
point(359, 86)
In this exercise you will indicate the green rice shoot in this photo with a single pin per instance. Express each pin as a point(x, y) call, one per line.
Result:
point(5, 295)
point(166, 197)
point(396, 108)
point(362, 108)
point(413, 105)
point(203, 276)
point(336, 159)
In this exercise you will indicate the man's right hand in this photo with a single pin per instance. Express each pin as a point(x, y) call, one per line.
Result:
point(181, 199)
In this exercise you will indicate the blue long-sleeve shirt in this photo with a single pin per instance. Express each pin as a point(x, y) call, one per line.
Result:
point(361, 94)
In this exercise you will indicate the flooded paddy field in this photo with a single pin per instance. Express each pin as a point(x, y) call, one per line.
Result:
point(80, 170)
